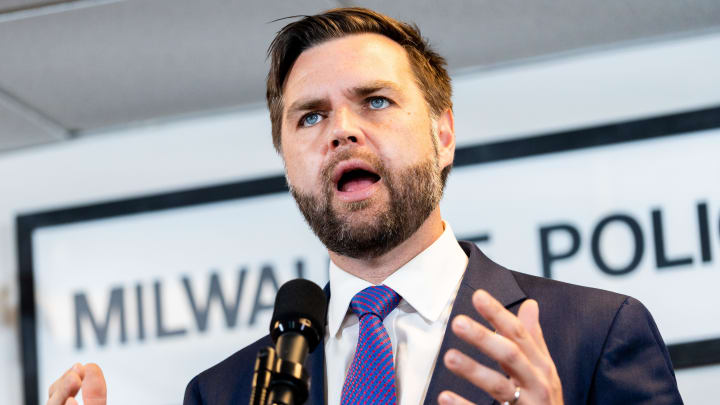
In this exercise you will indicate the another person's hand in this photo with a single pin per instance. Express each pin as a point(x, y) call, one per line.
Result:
point(518, 346)
point(88, 378)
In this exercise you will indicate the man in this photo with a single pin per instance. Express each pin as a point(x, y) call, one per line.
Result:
point(362, 117)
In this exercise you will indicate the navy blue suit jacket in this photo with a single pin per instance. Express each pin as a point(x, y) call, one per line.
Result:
point(606, 346)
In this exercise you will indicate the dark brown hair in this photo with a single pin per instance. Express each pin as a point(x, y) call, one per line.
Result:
point(296, 37)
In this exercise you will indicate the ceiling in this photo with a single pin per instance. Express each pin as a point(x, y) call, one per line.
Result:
point(71, 68)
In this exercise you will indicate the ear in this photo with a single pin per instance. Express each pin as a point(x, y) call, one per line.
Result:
point(446, 138)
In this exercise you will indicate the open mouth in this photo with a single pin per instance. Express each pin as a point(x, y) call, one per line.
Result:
point(356, 179)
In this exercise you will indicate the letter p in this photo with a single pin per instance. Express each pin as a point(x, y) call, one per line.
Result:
point(549, 255)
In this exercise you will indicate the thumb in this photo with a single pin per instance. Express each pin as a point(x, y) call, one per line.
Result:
point(94, 390)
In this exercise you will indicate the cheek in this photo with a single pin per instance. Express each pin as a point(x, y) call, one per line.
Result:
point(302, 174)
point(412, 144)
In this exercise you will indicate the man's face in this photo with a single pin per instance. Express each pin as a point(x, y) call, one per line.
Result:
point(359, 145)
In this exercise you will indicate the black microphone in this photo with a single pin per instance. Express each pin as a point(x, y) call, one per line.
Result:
point(297, 327)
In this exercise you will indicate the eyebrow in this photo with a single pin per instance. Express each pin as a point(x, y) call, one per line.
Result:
point(321, 103)
point(373, 87)
point(307, 105)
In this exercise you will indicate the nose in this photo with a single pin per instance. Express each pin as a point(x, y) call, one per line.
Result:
point(345, 130)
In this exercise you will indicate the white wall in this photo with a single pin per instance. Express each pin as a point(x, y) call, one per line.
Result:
point(586, 89)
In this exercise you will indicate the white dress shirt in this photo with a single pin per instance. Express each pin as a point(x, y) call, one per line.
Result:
point(427, 284)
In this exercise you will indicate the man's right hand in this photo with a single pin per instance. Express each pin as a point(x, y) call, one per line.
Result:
point(88, 378)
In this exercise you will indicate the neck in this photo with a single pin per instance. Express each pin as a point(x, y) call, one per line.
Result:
point(377, 269)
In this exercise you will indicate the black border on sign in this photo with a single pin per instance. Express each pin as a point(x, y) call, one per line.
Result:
point(684, 355)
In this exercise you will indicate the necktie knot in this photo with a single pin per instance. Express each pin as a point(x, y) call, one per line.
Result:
point(378, 300)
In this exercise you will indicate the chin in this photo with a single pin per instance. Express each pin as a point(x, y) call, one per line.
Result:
point(364, 210)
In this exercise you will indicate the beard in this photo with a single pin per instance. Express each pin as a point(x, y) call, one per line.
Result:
point(413, 192)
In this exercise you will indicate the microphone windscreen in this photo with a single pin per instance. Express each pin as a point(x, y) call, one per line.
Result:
point(300, 298)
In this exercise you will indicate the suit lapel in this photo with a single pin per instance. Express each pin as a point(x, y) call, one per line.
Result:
point(482, 273)
point(317, 373)
point(316, 364)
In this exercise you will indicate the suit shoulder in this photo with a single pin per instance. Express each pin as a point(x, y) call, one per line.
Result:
point(588, 315)
point(588, 298)
point(578, 313)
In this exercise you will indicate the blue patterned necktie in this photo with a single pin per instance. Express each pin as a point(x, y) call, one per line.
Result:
point(371, 378)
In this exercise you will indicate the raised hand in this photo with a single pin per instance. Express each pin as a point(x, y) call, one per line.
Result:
point(88, 378)
point(517, 345)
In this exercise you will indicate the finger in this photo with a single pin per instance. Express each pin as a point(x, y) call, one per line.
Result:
point(77, 368)
point(504, 321)
point(497, 347)
point(71, 401)
point(492, 382)
point(65, 387)
point(451, 398)
point(529, 316)
point(94, 389)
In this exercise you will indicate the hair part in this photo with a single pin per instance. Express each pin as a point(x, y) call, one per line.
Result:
point(293, 39)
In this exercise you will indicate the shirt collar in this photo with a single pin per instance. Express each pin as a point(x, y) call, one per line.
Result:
point(441, 266)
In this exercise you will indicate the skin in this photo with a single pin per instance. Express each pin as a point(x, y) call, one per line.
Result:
point(518, 346)
point(87, 378)
point(333, 103)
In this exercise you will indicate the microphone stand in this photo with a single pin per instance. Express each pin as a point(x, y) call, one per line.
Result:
point(277, 381)
point(264, 363)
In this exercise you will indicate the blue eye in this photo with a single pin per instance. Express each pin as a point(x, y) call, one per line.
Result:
point(379, 103)
point(310, 119)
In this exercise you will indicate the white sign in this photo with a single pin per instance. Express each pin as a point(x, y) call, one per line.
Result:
point(159, 296)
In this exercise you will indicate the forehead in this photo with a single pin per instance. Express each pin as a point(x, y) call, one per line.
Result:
point(347, 62)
